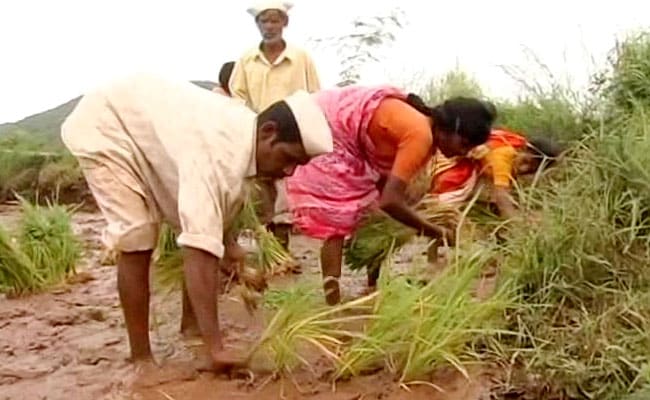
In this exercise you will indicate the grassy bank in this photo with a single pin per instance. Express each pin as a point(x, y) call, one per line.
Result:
point(35, 169)
point(570, 318)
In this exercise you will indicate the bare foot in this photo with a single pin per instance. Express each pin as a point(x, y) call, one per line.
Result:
point(189, 326)
point(190, 332)
point(149, 373)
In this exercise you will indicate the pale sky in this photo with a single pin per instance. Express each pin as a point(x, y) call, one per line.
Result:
point(54, 50)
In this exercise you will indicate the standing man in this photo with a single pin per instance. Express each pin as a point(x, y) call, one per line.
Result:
point(264, 75)
point(153, 150)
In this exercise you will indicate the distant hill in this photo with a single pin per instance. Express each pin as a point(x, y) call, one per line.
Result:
point(47, 124)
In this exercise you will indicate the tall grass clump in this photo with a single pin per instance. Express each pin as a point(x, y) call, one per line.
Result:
point(42, 252)
point(624, 83)
point(582, 276)
point(583, 309)
point(452, 84)
point(47, 239)
point(18, 275)
point(546, 106)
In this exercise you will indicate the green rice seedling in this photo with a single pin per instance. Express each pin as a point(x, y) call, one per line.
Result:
point(302, 323)
point(18, 275)
point(275, 299)
point(373, 241)
point(47, 239)
point(415, 330)
point(168, 262)
point(269, 255)
point(169, 274)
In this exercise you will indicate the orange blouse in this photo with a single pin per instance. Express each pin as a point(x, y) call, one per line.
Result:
point(401, 135)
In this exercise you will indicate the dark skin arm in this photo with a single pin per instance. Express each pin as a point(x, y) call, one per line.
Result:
point(504, 202)
point(234, 255)
point(393, 201)
point(202, 277)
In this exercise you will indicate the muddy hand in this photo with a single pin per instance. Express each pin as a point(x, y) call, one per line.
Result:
point(234, 252)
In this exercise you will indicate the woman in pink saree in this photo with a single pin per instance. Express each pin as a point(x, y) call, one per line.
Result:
point(382, 139)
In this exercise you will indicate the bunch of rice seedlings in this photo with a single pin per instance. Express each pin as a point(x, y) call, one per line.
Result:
point(379, 233)
point(169, 274)
point(18, 275)
point(168, 262)
point(47, 239)
point(416, 329)
point(302, 323)
point(269, 255)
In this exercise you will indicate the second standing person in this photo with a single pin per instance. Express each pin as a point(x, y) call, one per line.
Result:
point(264, 75)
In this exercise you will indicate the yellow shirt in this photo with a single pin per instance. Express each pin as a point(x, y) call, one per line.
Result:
point(156, 150)
point(259, 83)
point(499, 162)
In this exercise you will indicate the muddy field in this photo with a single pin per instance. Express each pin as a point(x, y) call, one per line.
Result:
point(71, 343)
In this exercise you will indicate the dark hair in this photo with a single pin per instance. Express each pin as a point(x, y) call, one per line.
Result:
point(469, 117)
point(282, 115)
point(224, 74)
point(544, 147)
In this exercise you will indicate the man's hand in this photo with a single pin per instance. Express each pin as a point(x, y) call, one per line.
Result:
point(235, 254)
point(446, 235)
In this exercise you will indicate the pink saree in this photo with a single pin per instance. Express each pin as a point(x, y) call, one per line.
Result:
point(329, 196)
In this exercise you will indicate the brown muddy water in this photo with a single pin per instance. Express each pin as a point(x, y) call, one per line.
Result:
point(70, 343)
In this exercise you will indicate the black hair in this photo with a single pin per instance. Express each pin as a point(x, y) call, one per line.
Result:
point(469, 117)
point(282, 115)
point(225, 73)
point(543, 147)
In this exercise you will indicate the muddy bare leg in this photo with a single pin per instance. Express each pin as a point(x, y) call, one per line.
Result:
point(133, 287)
point(373, 276)
point(202, 278)
point(189, 325)
point(331, 256)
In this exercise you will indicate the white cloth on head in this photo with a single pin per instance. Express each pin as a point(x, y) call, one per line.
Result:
point(263, 5)
point(314, 129)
